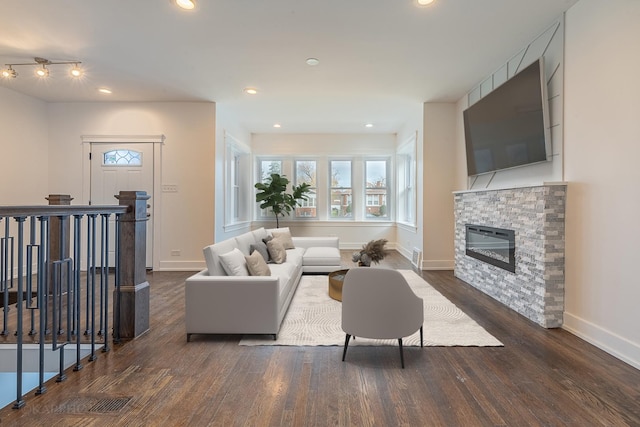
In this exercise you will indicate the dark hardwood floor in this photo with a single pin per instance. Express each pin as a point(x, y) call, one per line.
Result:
point(539, 378)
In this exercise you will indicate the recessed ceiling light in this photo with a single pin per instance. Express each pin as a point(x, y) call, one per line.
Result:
point(250, 90)
point(313, 61)
point(425, 2)
point(369, 125)
point(185, 4)
point(277, 125)
point(104, 90)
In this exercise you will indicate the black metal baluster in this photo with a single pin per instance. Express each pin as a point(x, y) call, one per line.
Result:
point(92, 273)
point(105, 266)
point(19, 403)
point(42, 284)
point(77, 238)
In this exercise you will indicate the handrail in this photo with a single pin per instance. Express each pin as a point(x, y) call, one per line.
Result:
point(61, 210)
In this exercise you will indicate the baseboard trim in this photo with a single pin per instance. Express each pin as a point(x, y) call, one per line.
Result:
point(615, 345)
point(445, 264)
point(182, 265)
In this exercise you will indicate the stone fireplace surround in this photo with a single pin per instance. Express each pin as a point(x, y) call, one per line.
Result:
point(537, 215)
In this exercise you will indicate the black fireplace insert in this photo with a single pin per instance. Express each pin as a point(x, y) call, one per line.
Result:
point(495, 246)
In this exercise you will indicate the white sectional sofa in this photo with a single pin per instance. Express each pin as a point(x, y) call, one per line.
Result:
point(217, 303)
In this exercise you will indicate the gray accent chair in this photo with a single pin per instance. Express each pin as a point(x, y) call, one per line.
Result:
point(378, 303)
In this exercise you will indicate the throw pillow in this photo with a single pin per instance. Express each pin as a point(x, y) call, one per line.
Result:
point(277, 251)
point(285, 237)
point(257, 265)
point(261, 248)
point(234, 263)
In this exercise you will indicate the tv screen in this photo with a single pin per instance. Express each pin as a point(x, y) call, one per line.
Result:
point(509, 127)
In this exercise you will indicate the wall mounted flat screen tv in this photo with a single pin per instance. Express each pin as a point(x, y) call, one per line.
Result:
point(509, 127)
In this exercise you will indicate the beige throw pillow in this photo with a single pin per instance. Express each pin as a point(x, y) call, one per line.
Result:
point(284, 234)
point(257, 265)
point(276, 251)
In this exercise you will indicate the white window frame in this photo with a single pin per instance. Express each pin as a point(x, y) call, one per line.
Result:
point(237, 186)
point(313, 189)
point(407, 192)
point(388, 215)
point(332, 188)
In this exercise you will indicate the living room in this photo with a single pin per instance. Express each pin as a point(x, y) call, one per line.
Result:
point(599, 148)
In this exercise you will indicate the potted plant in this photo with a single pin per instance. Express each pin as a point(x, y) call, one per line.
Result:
point(272, 194)
point(374, 251)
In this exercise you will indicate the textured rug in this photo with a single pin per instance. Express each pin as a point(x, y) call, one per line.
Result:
point(314, 319)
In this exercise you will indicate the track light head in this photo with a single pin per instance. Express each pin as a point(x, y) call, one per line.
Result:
point(42, 72)
point(76, 71)
point(9, 73)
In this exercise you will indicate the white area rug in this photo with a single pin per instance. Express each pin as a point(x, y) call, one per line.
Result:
point(314, 319)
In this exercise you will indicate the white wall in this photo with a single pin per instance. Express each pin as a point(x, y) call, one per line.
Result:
point(602, 148)
point(24, 158)
point(439, 178)
point(188, 156)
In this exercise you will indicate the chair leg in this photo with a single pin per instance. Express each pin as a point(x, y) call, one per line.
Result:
point(421, 345)
point(401, 352)
point(346, 344)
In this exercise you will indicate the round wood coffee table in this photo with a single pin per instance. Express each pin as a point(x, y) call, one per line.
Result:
point(336, 279)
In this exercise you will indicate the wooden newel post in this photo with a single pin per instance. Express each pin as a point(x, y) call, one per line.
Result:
point(134, 288)
point(59, 235)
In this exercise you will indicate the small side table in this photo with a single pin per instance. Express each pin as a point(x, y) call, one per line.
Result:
point(336, 280)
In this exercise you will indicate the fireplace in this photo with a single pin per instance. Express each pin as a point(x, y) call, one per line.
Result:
point(495, 246)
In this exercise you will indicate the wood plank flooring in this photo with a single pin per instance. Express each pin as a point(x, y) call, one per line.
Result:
point(539, 378)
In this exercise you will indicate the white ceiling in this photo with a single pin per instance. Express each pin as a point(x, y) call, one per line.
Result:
point(379, 59)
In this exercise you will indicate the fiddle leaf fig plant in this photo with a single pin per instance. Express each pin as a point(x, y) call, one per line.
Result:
point(272, 194)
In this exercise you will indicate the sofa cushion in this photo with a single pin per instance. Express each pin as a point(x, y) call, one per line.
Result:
point(244, 241)
point(234, 263)
point(256, 265)
point(277, 251)
point(295, 255)
point(284, 235)
point(212, 256)
point(321, 256)
point(261, 248)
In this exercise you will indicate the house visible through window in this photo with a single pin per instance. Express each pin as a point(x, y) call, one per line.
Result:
point(376, 188)
point(341, 190)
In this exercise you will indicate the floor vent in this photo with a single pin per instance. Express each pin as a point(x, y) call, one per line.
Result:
point(110, 405)
point(416, 257)
point(79, 405)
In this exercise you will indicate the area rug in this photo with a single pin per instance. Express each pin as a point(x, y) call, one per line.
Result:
point(314, 319)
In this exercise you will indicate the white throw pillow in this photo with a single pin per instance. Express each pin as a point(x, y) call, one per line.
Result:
point(234, 263)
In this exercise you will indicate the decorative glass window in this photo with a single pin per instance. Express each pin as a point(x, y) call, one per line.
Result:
point(306, 174)
point(376, 188)
point(122, 158)
point(341, 190)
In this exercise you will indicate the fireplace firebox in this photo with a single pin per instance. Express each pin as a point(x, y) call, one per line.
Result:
point(495, 246)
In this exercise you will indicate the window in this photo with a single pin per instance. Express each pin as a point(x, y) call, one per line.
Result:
point(122, 158)
point(237, 203)
point(267, 167)
point(376, 189)
point(341, 193)
point(406, 162)
point(306, 174)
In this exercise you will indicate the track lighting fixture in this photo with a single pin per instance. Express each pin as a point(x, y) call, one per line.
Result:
point(42, 68)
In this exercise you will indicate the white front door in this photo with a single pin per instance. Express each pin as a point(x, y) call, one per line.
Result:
point(119, 167)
